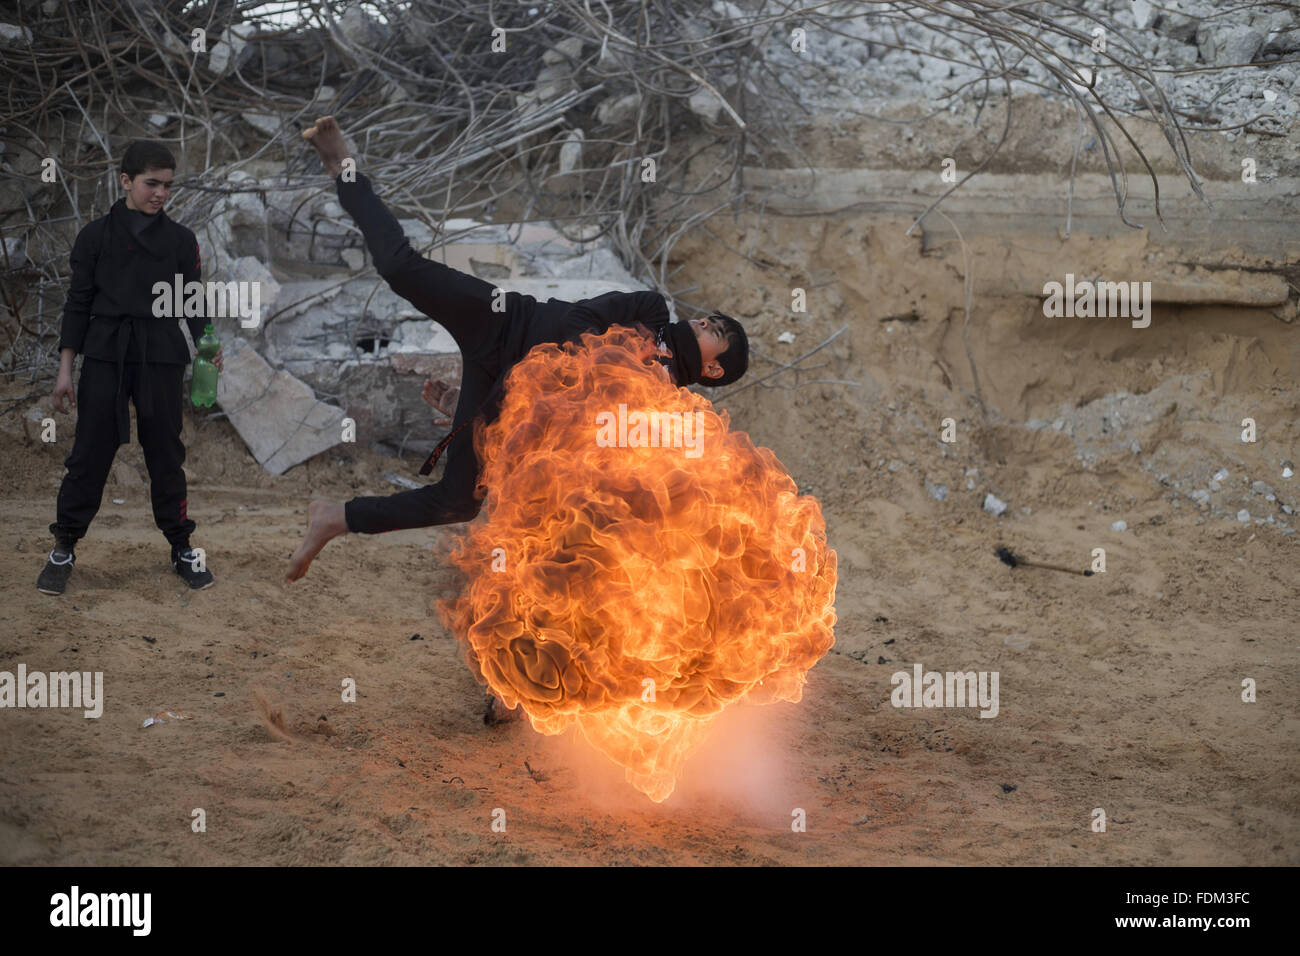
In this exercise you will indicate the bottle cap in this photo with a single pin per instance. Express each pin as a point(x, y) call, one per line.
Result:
point(208, 328)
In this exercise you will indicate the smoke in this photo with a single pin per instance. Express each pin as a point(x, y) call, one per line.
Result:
point(742, 773)
point(744, 764)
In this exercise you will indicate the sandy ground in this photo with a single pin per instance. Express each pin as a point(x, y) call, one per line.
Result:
point(1120, 691)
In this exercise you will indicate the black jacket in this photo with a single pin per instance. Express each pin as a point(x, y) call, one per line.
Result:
point(559, 321)
point(113, 275)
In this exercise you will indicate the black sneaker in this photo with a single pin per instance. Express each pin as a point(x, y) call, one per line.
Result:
point(497, 713)
point(186, 563)
point(58, 567)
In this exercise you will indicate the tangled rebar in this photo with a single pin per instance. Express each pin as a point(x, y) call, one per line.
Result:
point(549, 107)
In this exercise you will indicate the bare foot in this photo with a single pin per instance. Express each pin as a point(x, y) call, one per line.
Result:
point(498, 713)
point(328, 140)
point(325, 520)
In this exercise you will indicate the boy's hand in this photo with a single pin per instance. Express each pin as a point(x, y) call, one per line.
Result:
point(219, 360)
point(441, 396)
point(63, 387)
point(660, 369)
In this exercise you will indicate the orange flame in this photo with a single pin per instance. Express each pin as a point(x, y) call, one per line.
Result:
point(637, 572)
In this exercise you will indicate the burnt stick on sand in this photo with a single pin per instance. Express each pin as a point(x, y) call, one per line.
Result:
point(1013, 560)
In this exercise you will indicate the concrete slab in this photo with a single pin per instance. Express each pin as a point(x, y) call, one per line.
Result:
point(1258, 217)
point(277, 416)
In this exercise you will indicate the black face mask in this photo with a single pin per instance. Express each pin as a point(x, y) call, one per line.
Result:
point(686, 363)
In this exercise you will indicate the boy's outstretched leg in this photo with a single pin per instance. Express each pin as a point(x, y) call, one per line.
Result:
point(466, 306)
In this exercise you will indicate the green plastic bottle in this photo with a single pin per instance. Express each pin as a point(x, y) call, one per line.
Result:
point(203, 387)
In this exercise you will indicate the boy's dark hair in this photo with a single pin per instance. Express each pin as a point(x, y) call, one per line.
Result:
point(143, 155)
point(735, 360)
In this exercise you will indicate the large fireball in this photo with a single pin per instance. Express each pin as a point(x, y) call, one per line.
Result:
point(641, 566)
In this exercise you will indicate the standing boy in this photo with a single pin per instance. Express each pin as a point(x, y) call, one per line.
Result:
point(128, 355)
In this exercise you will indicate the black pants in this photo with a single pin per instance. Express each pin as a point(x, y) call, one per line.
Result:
point(462, 304)
point(95, 447)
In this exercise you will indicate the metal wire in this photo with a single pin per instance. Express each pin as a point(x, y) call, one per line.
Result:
point(451, 128)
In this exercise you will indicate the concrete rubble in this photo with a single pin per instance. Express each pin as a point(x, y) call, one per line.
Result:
point(866, 64)
point(330, 326)
point(1105, 429)
point(278, 417)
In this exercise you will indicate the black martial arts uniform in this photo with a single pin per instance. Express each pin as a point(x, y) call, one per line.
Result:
point(490, 344)
point(128, 355)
